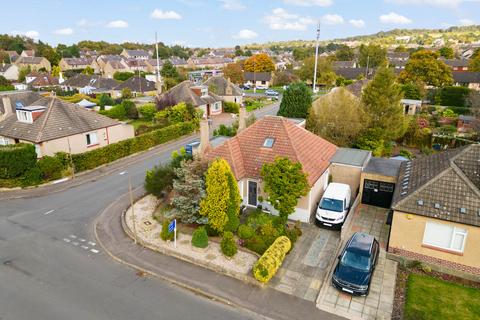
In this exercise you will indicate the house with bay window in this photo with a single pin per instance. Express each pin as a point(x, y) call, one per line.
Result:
point(54, 125)
point(436, 210)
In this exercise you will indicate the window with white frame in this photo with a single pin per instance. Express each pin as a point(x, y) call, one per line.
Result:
point(217, 106)
point(91, 138)
point(444, 236)
point(24, 116)
point(4, 141)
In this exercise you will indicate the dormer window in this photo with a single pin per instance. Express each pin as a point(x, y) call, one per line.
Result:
point(204, 92)
point(268, 143)
point(24, 116)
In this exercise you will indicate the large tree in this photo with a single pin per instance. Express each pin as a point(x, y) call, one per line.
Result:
point(296, 101)
point(381, 100)
point(259, 63)
point(447, 52)
point(168, 70)
point(424, 66)
point(234, 72)
point(344, 53)
point(475, 62)
point(338, 117)
point(284, 183)
point(325, 74)
point(371, 55)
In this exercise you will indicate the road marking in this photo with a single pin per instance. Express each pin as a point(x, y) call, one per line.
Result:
point(94, 250)
point(49, 211)
point(75, 243)
point(82, 240)
point(60, 180)
point(73, 236)
point(91, 243)
point(66, 240)
point(122, 173)
point(84, 247)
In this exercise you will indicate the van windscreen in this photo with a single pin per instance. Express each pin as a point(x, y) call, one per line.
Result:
point(331, 205)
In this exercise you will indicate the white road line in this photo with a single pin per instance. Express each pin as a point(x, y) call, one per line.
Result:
point(75, 243)
point(66, 240)
point(91, 243)
point(94, 250)
point(49, 211)
point(84, 247)
point(122, 173)
point(82, 240)
point(73, 236)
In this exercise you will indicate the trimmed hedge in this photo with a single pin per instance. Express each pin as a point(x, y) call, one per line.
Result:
point(92, 159)
point(200, 238)
point(16, 159)
point(228, 245)
point(268, 264)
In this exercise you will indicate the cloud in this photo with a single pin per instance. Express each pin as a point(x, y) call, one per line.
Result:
point(165, 15)
point(245, 34)
point(233, 5)
point(436, 3)
point(33, 34)
point(309, 3)
point(64, 31)
point(357, 23)
point(117, 24)
point(332, 19)
point(466, 22)
point(394, 18)
point(280, 19)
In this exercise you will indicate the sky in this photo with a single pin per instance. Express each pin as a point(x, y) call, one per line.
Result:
point(225, 23)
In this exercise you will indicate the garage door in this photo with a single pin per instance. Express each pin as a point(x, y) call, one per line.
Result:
point(377, 193)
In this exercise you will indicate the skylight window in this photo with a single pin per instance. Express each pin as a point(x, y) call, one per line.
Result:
point(268, 143)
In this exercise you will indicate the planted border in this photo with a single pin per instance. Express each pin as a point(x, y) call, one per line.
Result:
point(268, 264)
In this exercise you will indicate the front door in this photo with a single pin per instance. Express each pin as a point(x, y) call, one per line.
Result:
point(252, 193)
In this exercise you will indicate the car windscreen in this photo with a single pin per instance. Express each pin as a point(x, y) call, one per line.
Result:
point(331, 204)
point(355, 260)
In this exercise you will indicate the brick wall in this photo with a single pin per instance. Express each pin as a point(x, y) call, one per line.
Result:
point(432, 260)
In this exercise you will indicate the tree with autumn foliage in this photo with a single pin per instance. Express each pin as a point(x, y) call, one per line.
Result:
point(259, 63)
point(234, 72)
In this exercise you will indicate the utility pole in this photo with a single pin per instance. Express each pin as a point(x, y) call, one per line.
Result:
point(159, 80)
point(254, 80)
point(133, 211)
point(316, 59)
point(366, 70)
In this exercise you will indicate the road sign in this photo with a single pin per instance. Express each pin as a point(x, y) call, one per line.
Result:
point(172, 226)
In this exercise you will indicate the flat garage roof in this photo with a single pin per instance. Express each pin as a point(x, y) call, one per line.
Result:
point(352, 157)
point(384, 167)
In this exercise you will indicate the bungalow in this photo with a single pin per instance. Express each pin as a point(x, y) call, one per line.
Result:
point(258, 79)
point(225, 89)
point(113, 66)
point(88, 84)
point(54, 125)
point(40, 80)
point(35, 63)
point(436, 211)
point(457, 64)
point(344, 64)
point(9, 71)
point(403, 56)
point(135, 54)
point(214, 63)
point(78, 63)
point(178, 62)
point(354, 73)
point(197, 95)
point(468, 79)
point(261, 143)
point(137, 85)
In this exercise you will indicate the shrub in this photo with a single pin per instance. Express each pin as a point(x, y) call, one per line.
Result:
point(407, 154)
point(16, 159)
point(268, 264)
point(165, 234)
point(159, 179)
point(130, 109)
point(116, 112)
point(256, 244)
point(147, 111)
point(231, 107)
point(94, 158)
point(211, 232)
point(31, 177)
point(296, 101)
point(126, 93)
point(245, 232)
point(50, 167)
point(64, 159)
point(452, 96)
point(200, 238)
point(227, 131)
point(228, 245)
point(425, 268)
point(122, 76)
point(105, 100)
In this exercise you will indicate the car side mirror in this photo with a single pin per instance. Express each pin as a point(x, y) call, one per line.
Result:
point(339, 257)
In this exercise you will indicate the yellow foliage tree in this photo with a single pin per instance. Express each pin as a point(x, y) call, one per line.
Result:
point(259, 63)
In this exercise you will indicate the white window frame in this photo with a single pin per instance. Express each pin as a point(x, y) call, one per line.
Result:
point(24, 116)
point(89, 136)
point(4, 141)
point(456, 231)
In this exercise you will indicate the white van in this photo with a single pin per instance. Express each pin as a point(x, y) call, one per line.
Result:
point(333, 208)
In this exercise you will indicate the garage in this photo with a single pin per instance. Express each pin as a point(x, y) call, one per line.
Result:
point(378, 181)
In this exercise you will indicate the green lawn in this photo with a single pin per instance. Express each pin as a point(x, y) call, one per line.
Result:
point(431, 298)
point(138, 122)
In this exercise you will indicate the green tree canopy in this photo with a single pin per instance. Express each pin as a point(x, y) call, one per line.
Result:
point(296, 101)
point(424, 67)
point(344, 53)
point(169, 70)
point(325, 74)
point(284, 182)
point(373, 55)
point(446, 52)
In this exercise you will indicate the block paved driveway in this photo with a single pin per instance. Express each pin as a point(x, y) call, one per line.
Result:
point(379, 303)
point(306, 266)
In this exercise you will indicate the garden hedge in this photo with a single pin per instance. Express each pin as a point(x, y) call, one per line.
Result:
point(268, 264)
point(16, 159)
point(92, 159)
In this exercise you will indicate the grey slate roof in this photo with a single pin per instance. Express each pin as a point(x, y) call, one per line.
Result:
point(352, 157)
point(439, 186)
point(24, 97)
point(383, 166)
point(258, 76)
point(29, 60)
point(137, 84)
point(221, 84)
point(357, 87)
point(182, 93)
point(466, 77)
point(352, 73)
point(60, 119)
point(139, 53)
point(456, 62)
point(82, 80)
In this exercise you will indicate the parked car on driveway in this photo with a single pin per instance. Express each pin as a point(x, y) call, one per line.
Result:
point(245, 87)
point(262, 87)
point(333, 208)
point(356, 264)
point(271, 93)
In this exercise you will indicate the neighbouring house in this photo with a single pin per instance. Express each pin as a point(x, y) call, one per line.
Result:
point(12, 55)
point(354, 73)
point(178, 62)
point(411, 106)
point(209, 62)
point(113, 66)
point(135, 54)
point(40, 80)
point(88, 84)
point(88, 54)
point(152, 65)
point(225, 89)
point(398, 64)
point(344, 64)
point(436, 210)
point(468, 79)
point(467, 124)
point(403, 56)
point(54, 125)
point(137, 85)
point(35, 63)
point(457, 64)
point(137, 65)
point(258, 79)
point(15, 99)
point(28, 53)
point(262, 142)
point(79, 64)
point(9, 71)
point(197, 95)
point(346, 166)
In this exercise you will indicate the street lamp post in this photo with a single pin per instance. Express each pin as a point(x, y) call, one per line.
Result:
point(316, 59)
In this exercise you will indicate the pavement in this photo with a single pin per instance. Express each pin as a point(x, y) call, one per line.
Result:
point(51, 266)
point(267, 302)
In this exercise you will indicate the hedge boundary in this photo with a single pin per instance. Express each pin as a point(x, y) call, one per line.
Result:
point(271, 260)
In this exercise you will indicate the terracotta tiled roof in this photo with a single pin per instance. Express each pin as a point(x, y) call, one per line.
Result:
point(246, 154)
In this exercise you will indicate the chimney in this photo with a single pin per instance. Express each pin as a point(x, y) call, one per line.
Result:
point(7, 108)
point(204, 135)
point(242, 118)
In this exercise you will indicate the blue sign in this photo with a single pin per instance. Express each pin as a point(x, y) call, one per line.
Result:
point(172, 225)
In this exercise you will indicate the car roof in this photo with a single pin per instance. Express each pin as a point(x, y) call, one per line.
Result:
point(360, 242)
point(336, 190)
